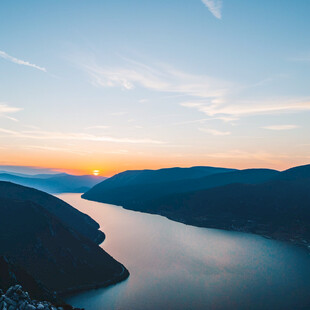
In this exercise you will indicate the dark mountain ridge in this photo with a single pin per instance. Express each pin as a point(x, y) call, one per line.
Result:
point(71, 217)
point(134, 177)
point(278, 208)
point(263, 201)
point(43, 251)
point(129, 195)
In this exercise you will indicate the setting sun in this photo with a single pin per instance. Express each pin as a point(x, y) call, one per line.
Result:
point(96, 172)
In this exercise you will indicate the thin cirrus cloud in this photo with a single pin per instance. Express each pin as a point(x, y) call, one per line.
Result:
point(14, 119)
point(6, 109)
point(162, 78)
point(46, 135)
point(55, 149)
point(98, 127)
point(215, 132)
point(218, 99)
point(281, 127)
point(15, 60)
point(215, 7)
point(237, 109)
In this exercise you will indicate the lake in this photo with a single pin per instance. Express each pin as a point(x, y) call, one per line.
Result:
point(176, 266)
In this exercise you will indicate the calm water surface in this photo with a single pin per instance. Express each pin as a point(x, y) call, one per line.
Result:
point(175, 266)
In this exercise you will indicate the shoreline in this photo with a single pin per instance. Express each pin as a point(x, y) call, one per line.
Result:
point(124, 275)
point(287, 237)
point(290, 238)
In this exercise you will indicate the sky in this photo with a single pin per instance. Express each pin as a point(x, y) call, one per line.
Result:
point(117, 85)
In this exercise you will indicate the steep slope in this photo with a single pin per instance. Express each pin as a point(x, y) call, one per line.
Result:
point(137, 195)
point(54, 183)
point(66, 213)
point(57, 256)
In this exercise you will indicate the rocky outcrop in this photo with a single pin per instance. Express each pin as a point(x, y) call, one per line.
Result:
point(12, 274)
point(17, 299)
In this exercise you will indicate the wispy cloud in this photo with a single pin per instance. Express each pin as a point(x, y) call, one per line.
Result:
point(6, 109)
point(215, 132)
point(216, 98)
point(159, 77)
point(19, 61)
point(55, 149)
point(215, 7)
point(98, 127)
point(14, 119)
point(235, 110)
point(46, 135)
point(281, 127)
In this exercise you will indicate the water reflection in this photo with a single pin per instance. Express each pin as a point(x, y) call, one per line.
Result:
point(175, 266)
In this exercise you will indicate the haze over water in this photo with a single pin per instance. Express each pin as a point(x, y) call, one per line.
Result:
point(175, 266)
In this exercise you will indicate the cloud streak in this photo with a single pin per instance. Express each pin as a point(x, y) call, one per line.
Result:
point(46, 135)
point(215, 7)
point(215, 132)
point(10, 58)
point(280, 127)
point(235, 110)
point(218, 99)
point(55, 149)
point(6, 109)
point(161, 78)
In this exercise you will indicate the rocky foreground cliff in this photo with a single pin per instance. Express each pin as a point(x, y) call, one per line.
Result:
point(16, 298)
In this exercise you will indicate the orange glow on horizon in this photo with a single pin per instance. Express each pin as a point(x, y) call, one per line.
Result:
point(109, 165)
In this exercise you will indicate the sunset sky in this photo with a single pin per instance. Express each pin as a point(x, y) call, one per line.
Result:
point(117, 85)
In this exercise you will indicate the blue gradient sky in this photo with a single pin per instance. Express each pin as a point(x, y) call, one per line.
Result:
point(115, 85)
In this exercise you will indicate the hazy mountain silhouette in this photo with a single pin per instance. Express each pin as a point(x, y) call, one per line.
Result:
point(54, 183)
point(48, 247)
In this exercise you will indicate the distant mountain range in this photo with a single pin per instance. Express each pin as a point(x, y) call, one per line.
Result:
point(262, 201)
point(53, 183)
point(46, 245)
